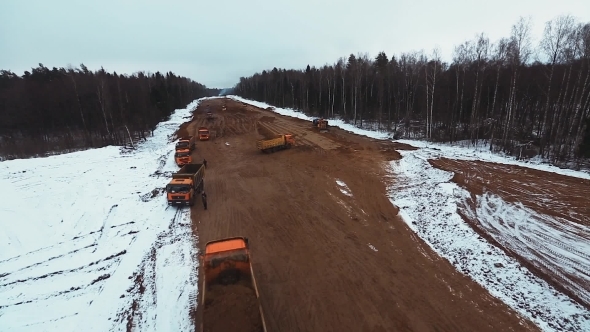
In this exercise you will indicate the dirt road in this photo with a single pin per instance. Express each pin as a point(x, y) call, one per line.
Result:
point(328, 255)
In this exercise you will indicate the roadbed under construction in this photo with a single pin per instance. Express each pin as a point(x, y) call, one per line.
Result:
point(329, 259)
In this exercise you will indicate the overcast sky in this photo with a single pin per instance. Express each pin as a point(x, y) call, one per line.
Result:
point(217, 42)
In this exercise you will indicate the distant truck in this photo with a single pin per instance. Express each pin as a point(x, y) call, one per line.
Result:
point(186, 143)
point(230, 297)
point(321, 124)
point(203, 133)
point(209, 115)
point(186, 185)
point(274, 144)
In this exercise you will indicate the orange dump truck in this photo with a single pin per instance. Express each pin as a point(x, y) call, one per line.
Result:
point(184, 146)
point(186, 143)
point(274, 144)
point(203, 133)
point(183, 157)
point(186, 185)
point(230, 297)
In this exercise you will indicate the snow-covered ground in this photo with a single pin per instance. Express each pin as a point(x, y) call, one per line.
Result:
point(482, 152)
point(429, 203)
point(88, 242)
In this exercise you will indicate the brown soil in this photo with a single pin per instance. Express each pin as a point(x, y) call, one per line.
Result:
point(312, 245)
point(231, 308)
point(563, 199)
point(548, 193)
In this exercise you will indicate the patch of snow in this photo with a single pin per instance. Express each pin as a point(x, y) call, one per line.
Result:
point(373, 247)
point(428, 203)
point(344, 188)
point(437, 150)
point(90, 243)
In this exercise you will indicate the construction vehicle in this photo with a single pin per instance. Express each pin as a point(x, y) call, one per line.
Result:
point(183, 157)
point(209, 115)
point(229, 288)
point(321, 124)
point(203, 133)
point(186, 143)
point(281, 142)
point(186, 185)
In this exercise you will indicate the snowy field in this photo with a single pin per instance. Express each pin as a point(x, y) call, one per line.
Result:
point(430, 203)
point(88, 242)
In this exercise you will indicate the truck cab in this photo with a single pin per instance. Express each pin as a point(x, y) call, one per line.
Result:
point(180, 191)
point(186, 184)
point(203, 134)
point(289, 140)
point(183, 157)
point(185, 143)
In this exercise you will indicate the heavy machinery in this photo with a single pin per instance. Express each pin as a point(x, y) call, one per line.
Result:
point(230, 297)
point(281, 142)
point(186, 143)
point(183, 157)
point(184, 147)
point(186, 185)
point(203, 133)
point(321, 124)
point(209, 115)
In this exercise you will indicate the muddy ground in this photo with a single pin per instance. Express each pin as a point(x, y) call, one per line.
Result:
point(550, 239)
point(328, 257)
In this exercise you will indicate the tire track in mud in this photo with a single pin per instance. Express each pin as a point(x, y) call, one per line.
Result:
point(143, 292)
point(546, 241)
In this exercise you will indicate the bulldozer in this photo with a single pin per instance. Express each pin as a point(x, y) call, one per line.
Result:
point(321, 124)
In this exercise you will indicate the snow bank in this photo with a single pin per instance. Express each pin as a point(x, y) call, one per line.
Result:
point(89, 242)
point(482, 152)
point(428, 202)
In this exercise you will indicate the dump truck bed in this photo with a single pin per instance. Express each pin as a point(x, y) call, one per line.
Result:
point(191, 171)
point(270, 143)
point(230, 296)
point(188, 170)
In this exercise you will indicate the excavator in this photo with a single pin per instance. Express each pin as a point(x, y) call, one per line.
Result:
point(321, 124)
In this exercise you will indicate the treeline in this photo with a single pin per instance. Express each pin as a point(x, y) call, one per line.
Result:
point(522, 98)
point(57, 110)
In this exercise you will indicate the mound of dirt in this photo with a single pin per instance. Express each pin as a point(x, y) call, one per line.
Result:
point(231, 308)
